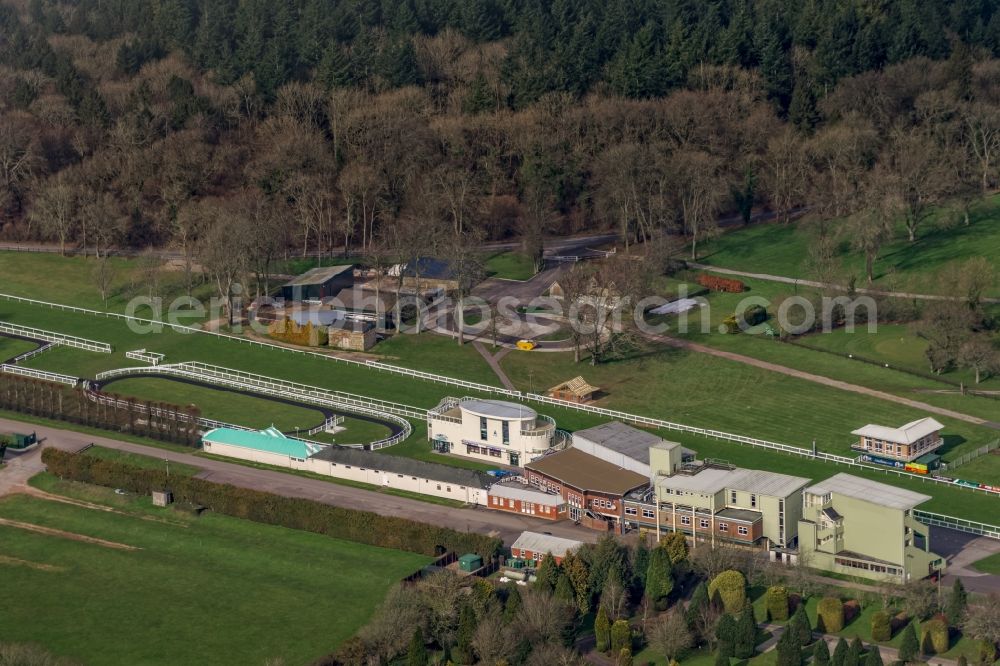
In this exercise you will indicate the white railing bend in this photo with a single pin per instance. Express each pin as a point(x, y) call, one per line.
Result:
point(50, 336)
point(253, 383)
point(39, 374)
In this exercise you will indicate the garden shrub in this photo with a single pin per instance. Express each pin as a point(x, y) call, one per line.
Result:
point(716, 283)
point(881, 628)
point(830, 615)
point(307, 335)
point(852, 609)
point(731, 587)
point(934, 635)
point(777, 603)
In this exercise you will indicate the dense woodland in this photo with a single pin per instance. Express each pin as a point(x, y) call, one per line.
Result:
point(267, 125)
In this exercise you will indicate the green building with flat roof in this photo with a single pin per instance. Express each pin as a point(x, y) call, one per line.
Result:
point(855, 526)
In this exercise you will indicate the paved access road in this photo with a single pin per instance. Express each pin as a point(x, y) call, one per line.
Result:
point(506, 526)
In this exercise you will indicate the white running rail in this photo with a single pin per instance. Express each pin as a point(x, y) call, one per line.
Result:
point(39, 374)
point(34, 352)
point(254, 383)
point(50, 336)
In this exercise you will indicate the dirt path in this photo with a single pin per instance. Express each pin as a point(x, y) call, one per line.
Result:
point(494, 362)
point(17, 562)
point(819, 379)
point(828, 285)
point(72, 536)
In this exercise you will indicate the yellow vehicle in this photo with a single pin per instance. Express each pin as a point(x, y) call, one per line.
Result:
point(526, 345)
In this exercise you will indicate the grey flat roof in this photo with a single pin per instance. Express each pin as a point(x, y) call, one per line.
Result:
point(405, 466)
point(498, 409)
point(870, 491)
point(630, 442)
point(319, 275)
point(756, 481)
point(744, 515)
point(545, 543)
point(520, 491)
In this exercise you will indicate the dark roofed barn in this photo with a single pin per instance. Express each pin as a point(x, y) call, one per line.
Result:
point(319, 283)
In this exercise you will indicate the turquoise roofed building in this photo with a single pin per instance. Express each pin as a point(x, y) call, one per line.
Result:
point(269, 446)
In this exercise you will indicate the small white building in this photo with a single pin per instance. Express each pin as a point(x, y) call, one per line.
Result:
point(907, 442)
point(416, 476)
point(505, 433)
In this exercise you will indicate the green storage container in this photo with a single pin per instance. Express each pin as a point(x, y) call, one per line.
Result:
point(470, 562)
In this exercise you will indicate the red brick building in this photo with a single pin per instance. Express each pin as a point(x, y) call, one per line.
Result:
point(514, 497)
point(592, 489)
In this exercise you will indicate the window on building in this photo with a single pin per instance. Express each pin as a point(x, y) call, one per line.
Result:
point(505, 431)
point(482, 428)
point(439, 486)
point(448, 489)
point(753, 501)
point(648, 513)
point(742, 531)
point(732, 497)
point(347, 466)
point(685, 520)
point(534, 556)
point(723, 527)
point(630, 511)
point(400, 476)
point(703, 523)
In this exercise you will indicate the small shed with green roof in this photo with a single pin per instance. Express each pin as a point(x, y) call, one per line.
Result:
point(269, 446)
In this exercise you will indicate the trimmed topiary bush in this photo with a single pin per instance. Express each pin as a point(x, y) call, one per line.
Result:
point(881, 627)
point(777, 603)
point(829, 615)
point(731, 587)
point(934, 635)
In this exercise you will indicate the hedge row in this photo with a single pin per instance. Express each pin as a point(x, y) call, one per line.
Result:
point(300, 514)
point(60, 402)
point(716, 283)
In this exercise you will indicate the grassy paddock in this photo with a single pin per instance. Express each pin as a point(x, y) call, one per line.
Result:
point(784, 249)
point(71, 280)
point(200, 590)
point(221, 405)
point(510, 266)
point(11, 347)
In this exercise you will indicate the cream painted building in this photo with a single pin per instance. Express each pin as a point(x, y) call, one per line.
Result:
point(496, 431)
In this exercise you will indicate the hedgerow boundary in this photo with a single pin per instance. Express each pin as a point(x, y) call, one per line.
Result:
point(362, 527)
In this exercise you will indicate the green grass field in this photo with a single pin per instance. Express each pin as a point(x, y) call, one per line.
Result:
point(221, 405)
point(705, 391)
point(71, 281)
point(211, 589)
point(146, 462)
point(784, 250)
point(11, 347)
point(989, 565)
point(510, 266)
point(439, 354)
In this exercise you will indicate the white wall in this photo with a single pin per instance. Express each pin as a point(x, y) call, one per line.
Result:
point(468, 430)
point(380, 478)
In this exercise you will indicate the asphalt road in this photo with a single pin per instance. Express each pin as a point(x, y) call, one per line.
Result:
point(506, 526)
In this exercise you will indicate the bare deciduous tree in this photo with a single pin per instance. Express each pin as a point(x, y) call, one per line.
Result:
point(670, 635)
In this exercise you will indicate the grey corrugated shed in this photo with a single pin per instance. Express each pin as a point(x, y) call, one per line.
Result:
point(756, 481)
point(870, 491)
point(405, 466)
point(617, 436)
point(526, 494)
point(545, 543)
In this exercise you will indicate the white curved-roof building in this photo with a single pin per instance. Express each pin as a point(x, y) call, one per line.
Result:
point(497, 431)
